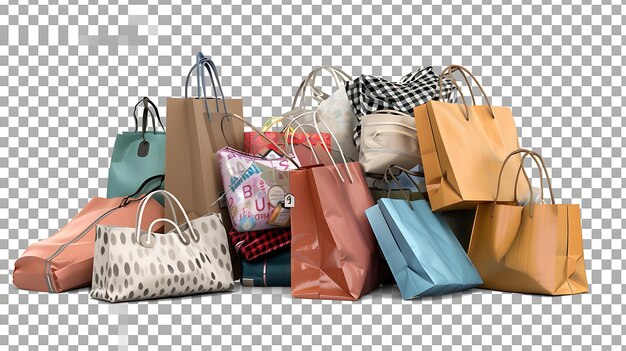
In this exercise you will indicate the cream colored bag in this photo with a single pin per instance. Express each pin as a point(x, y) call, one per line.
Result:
point(388, 138)
point(152, 265)
point(334, 109)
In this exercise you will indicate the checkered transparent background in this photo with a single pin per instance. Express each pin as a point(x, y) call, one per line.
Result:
point(69, 74)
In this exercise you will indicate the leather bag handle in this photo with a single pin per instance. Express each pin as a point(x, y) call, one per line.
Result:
point(147, 103)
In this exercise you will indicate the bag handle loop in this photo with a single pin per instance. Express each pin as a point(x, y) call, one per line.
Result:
point(410, 174)
point(332, 135)
point(457, 68)
point(541, 165)
point(308, 140)
point(521, 170)
point(139, 217)
point(326, 147)
point(205, 62)
point(145, 239)
point(339, 77)
point(236, 116)
point(539, 162)
point(147, 103)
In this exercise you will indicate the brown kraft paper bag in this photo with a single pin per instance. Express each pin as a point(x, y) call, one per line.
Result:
point(193, 136)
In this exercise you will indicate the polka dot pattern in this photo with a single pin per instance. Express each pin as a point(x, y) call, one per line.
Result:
point(169, 268)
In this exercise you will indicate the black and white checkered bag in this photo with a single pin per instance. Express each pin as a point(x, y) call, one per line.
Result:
point(368, 94)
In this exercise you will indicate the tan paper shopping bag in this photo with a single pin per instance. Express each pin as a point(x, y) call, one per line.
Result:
point(536, 248)
point(194, 134)
point(191, 169)
point(462, 149)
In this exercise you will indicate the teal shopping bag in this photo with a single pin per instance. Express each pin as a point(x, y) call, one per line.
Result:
point(424, 255)
point(137, 155)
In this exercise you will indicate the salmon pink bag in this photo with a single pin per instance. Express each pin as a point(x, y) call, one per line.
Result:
point(64, 261)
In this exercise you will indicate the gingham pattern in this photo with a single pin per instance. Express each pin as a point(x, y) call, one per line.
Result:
point(71, 73)
point(368, 94)
point(253, 245)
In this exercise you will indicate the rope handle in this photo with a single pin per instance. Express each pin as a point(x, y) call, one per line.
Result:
point(464, 73)
point(539, 162)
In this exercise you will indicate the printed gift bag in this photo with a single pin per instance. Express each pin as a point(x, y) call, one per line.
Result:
point(255, 189)
point(535, 248)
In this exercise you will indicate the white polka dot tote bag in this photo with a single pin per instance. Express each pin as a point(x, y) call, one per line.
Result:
point(193, 258)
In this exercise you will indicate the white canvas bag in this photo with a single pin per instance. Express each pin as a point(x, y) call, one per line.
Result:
point(193, 258)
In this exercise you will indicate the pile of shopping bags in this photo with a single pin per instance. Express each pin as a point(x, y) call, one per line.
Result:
point(410, 182)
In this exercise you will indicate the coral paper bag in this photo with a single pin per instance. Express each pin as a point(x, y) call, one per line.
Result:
point(334, 254)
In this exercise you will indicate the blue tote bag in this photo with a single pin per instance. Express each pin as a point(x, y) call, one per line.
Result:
point(137, 155)
point(424, 255)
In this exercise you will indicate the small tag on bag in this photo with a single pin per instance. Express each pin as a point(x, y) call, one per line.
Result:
point(271, 154)
point(222, 201)
point(289, 201)
point(144, 148)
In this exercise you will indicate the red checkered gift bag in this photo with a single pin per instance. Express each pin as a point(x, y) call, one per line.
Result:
point(252, 245)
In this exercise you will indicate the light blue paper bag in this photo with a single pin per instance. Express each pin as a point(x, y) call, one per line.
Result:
point(424, 255)
point(137, 155)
